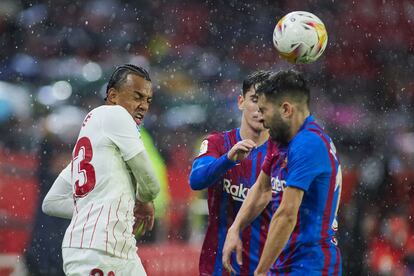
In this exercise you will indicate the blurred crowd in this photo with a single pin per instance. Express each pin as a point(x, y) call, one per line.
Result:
point(55, 60)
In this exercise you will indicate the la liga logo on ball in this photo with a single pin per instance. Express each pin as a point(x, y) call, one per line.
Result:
point(300, 37)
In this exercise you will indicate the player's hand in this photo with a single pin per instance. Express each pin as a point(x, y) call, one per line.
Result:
point(241, 150)
point(232, 243)
point(144, 218)
point(259, 273)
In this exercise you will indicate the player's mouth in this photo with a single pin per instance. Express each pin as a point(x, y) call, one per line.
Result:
point(138, 118)
point(258, 119)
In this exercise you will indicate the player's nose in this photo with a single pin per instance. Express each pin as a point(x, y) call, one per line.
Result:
point(143, 106)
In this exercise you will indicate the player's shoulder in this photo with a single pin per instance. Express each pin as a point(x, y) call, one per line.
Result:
point(113, 110)
point(113, 114)
point(307, 141)
point(216, 139)
point(215, 136)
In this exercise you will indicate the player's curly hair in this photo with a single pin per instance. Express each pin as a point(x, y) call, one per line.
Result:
point(121, 72)
point(254, 79)
point(285, 83)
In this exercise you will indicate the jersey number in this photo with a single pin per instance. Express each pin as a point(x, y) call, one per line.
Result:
point(82, 170)
point(338, 187)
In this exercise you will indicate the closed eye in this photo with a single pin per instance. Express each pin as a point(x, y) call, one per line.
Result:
point(138, 94)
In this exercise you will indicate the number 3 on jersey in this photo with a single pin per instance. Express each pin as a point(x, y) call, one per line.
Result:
point(83, 173)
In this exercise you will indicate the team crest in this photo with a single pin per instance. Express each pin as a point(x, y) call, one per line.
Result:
point(203, 147)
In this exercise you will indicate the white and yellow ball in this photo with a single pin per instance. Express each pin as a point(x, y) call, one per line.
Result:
point(300, 37)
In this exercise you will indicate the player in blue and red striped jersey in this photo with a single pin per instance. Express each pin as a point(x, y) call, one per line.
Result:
point(228, 165)
point(307, 180)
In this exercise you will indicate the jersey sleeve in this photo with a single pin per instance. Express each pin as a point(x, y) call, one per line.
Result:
point(271, 154)
point(66, 173)
point(212, 146)
point(211, 163)
point(306, 160)
point(59, 202)
point(120, 128)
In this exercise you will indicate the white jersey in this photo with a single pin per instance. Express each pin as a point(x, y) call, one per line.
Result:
point(103, 186)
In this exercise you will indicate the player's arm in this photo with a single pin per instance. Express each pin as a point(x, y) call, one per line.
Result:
point(281, 228)
point(147, 183)
point(146, 191)
point(119, 126)
point(258, 197)
point(59, 200)
point(307, 159)
point(206, 170)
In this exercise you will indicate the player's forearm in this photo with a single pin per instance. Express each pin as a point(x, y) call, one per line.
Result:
point(207, 170)
point(147, 183)
point(280, 230)
point(254, 204)
point(58, 207)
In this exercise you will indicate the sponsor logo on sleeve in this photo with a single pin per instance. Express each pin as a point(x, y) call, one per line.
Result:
point(203, 147)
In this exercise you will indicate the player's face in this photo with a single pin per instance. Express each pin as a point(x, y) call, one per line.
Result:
point(251, 113)
point(279, 128)
point(135, 95)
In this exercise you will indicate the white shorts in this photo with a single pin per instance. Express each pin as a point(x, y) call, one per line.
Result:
point(85, 262)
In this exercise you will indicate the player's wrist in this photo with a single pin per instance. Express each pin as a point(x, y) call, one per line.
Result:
point(232, 157)
point(234, 228)
point(260, 270)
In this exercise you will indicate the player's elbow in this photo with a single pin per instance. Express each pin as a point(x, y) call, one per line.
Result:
point(46, 206)
point(289, 214)
point(196, 183)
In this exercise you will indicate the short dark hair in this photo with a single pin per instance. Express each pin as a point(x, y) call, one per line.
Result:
point(120, 74)
point(254, 79)
point(285, 83)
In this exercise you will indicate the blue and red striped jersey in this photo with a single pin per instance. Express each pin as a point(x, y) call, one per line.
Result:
point(225, 197)
point(309, 163)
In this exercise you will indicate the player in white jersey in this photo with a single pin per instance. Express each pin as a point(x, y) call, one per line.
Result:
point(107, 183)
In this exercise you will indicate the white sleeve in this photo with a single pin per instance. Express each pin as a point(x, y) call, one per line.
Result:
point(147, 183)
point(59, 200)
point(121, 129)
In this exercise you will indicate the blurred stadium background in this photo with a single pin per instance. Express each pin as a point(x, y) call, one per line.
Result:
point(55, 59)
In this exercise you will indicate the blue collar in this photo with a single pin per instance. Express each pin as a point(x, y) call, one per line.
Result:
point(307, 121)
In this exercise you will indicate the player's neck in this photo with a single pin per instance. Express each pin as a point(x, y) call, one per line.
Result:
point(259, 137)
point(297, 122)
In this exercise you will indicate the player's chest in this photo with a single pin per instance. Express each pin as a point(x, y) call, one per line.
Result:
point(238, 180)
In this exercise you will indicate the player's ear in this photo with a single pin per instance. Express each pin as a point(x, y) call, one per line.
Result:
point(286, 109)
point(112, 97)
point(240, 102)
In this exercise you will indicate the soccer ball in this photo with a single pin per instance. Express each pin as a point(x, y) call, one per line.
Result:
point(300, 37)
